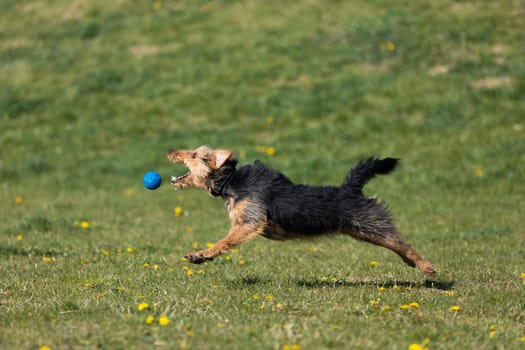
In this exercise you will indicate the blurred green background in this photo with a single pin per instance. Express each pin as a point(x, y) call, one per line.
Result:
point(93, 94)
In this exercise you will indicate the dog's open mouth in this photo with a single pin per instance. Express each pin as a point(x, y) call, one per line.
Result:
point(176, 179)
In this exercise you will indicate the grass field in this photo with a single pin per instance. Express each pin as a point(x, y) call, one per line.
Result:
point(93, 94)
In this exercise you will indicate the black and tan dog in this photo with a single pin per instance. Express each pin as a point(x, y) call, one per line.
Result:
point(264, 202)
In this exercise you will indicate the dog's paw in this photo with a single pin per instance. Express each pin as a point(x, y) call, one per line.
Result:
point(426, 268)
point(196, 258)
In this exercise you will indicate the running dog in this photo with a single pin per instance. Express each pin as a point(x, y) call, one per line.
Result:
point(263, 202)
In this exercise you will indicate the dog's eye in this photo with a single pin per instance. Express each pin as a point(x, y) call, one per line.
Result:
point(194, 155)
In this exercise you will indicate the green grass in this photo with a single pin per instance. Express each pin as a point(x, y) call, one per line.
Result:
point(93, 93)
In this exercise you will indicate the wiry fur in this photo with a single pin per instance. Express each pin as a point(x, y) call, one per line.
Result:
point(262, 201)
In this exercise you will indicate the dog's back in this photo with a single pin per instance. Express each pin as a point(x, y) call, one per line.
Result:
point(295, 210)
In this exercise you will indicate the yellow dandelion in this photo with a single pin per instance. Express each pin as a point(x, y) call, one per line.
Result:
point(390, 46)
point(291, 347)
point(522, 275)
point(396, 287)
point(381, 289)
point(178, 211)
point(455, 308)
point(104, 252)
point(449, 293)
point(44, 347)
point(189, 229)
point(156, 267)
point(85, 224)
point(157, 5)
point(373, 263)
point(373, 302)
point(129, 192)
point(142, 306)
point(19, 238)
point(145, 265)
point(195, 245)
point(210, 244)
point(270, 120)
point(268, 150)
point(227, 258)
point(478, 172)
point(269, 298)
point(150, 319)
point(416, 346)
point(414, 304)
point(405, 307)
point(200, 271)
point(88, 284)
point(19, 200)
point(522, 339)
point(130, 250)
point(48, 259)
point(324, 279)
point(189, 272)
point(221, 325)
point(164, 321)
point(279, 307)
point(242, 262)
point(492, 330)
point(385, 308)
point(255, 297)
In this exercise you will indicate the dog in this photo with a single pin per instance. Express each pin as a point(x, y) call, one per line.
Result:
point(264, 202)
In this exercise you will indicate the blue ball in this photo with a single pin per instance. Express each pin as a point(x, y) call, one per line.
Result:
point(152, 180)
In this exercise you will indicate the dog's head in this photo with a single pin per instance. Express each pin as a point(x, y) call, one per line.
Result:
point(202, 163)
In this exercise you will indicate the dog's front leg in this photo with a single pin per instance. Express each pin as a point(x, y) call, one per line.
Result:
point(237, 235)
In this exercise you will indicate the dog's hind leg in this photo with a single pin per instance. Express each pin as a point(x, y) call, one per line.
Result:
point(392, 240)
point(406, 252)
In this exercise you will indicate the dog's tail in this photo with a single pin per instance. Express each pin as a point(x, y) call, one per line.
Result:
point(366, 170)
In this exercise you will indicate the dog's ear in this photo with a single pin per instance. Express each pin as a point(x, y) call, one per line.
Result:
point(217, 158)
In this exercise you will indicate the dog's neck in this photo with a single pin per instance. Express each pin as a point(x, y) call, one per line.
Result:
point(220, 178)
